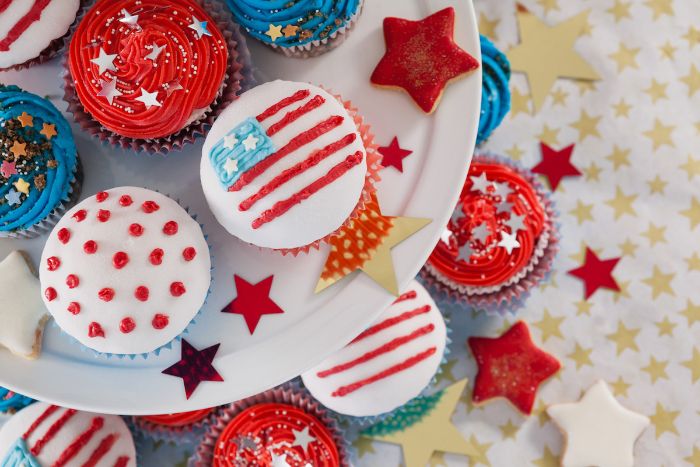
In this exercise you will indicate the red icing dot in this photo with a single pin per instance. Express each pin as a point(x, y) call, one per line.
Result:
point(106, 294)
point(101, 196)
point(150, 206)
point(127, 325)
point(156, 257)
point(95, 330)
point(136, 230)
point(177, 289)
point(103, 215)
point(160, 321)
point(72, 281)
point(64, 235)
point(170, 228)
point(80, 215)
point(74, 308)
point(50, 294)
point(189, 253)
point(53, 263)
point(126, 200)
point(90, 247)
point(141, 293)
point(120, 259)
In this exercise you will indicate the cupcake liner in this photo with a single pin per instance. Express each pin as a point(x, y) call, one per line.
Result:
point(191, 432)
point(11, 402)
point(239, 59)
point(495, 100)
point(408, 415)
point(288, 393)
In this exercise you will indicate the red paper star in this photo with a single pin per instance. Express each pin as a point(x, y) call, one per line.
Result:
point(511, 366)
point(393, 155)
point(7, 169)
point(596, 273)
point(252, 301)
point(422, 57)
point(194, 367)
point(556, 165)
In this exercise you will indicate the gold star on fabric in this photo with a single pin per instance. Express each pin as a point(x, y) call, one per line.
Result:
point(620, 10)
point(509, 430)
point(656, 369)
point(628, 248)
point(620, 387)
point(659, 282)
point(549, 326)
point(548, 5)
point(592, 172)
point(622, 204)
point(692, 80)
point(624, 338)
point(363, 446)
point(22, 186)
point(437, 460)
point(623, 292)
point(625, 57)
point(691, 167)
point(19, 149)
point(583, 307)
point(587, 126)
point(515, 152)
point(656, 90)
point(583, 212)
point(549, 136)
point(668, 50)
point(660, 134)
point(655, 234)
point(693, 262)
point(479, 457)
point(487, 27)
point(622, 109)
point(559, 97)
point(26, 120)
point(694, 458)
point(519, 102)
point(657, 185)
point(546, 53)
point(619, 157)
point(692, 213)
point(581, 356)
point(548, 459)
point(290, 30)
point(274, 32)
point(665, 327)
point(664, 420)
point(660, 7)
point(691, 312)
point(693, 364)
point(692, 36)
point(48, 130)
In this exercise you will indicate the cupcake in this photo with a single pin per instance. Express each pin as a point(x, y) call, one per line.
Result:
point(125, 271)
point(151, 74)
point(500, 241)
point(10, 401)
point(39, 167)
point(278, 427)
point(287, 166)
point(174, 426)
point(297, 28)
point(495, 93)
point(388, 364)
point(44, 435)
point(34, 31)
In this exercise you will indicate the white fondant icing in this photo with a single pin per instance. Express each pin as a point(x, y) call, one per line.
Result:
point(391, 392)
point(77, 424)
point(315, 217)
point(96, 271)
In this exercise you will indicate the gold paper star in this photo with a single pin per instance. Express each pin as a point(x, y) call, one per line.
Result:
point(587, 126)
point(691, 167)
point(657, 185)
point(659, 283)
point(656, 90)
point(19, 149)
point(655, 234)
point(620, 10)
point(691, 313)
point(479, 457)
point(694, 458)
point(290, 30)
point(660, 7)
point(660, 134)
point(559, 97)
point(692, 80)
point(625, 57)
point(519, 103)
point(548, 5)
point(549, 326)
point(592, 172)
point(581, 356)
point(26, 119)
point(549, 135)
point(656, 369)
point(664, 420)
point(437, 460)
point(546, 53)
point(665, 327)
point(693, 365)
point(363, 446)
point(622, 109)
point(628, 248)
point(549, 459)
point(622, 204)
point(274, 32)
point(22, 186)
point(48, 130)
point(619, 157)
point(487, 27)
point(515, 152)
point(692, 213)
point(620, 387)
point(509, 430)
point(583, 307)
point(668, 50)
point(692, 36)
point(582, 212)
point(624, 338)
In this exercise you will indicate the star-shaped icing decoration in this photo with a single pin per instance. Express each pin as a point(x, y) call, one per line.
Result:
point(510, 366)
point(18, 149)
point(48, 130)
point(596, 273)
point(274, 32)
point(194, 367)
point(509, 242)
point(480, 183)
point(465, 252)
point(502, 207)
point(279, 460)
point(422, 57)
point(502, 190)
point(252, 301)
point(230, 141)
point(22, 312)
point(109, 90)
point(393, 155)
point(22, 186)
point(516, 223)
point(250, 143)
point(149, 99)
point(131, 20)
point(231, 166)
point(13, 197)
point(481, 232)
point(556, 165)
point(302, 438)
point(155, 52)
point(290, 30)
point(8, 169)
point(245, 442)
point(104, 61)
point(26, 120)
point(172, 86)
point(200, 27)
point(598, 429)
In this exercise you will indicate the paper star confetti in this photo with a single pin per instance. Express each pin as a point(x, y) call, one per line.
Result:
point(598, 430)
point(252, 301)
point(555, 165)
point(510, 366)
point(393, 155)
point(194, 367)
point(596, 273)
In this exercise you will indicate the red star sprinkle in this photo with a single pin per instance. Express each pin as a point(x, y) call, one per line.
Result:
point(252, 301)
point(556, 165)
point(422, 57)
point(393, 155)
point(195, 366)
point(511, 366)
point(7, 169)
point(596, 273)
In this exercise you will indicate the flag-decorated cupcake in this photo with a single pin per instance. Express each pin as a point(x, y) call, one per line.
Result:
point(287, 166)
point(495, 93)
point(500, 241)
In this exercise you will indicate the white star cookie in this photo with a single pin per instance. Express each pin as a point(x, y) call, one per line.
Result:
point(22, 313)
point(598, 430)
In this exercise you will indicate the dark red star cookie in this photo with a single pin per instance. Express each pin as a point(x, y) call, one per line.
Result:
point(194, 367)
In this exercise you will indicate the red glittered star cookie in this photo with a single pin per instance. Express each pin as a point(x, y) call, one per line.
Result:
point(510, 366)
point(422, 57)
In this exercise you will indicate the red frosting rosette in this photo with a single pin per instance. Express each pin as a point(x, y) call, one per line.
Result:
point(500, 240)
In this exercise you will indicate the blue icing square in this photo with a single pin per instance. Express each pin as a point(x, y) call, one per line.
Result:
point(19, 456)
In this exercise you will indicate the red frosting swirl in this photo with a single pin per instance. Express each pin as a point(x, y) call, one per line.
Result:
point(185, 75)
point(178, 419)
point(489, 264)
point(262, 431)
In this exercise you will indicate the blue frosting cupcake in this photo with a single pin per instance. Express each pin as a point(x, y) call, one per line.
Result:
point(11, 402)
point(39, 166)
point(300, 28)
point(495, 94)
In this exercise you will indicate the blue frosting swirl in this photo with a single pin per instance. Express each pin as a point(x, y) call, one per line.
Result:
point(32, 184)
point(12, 401)
point(495, 93)
point(315, 19)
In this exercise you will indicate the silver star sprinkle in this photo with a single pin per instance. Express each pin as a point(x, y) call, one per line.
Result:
point(109, 90)
point(480, 183)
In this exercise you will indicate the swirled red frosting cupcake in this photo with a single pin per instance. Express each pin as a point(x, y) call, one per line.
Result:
point(500, 240)
point(174, 426)
point(147, 69)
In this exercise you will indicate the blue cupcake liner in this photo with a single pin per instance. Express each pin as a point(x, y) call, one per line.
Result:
point(495, 93)
point(11, 402)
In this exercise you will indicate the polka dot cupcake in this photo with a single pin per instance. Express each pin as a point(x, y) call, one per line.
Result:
point(125, 271)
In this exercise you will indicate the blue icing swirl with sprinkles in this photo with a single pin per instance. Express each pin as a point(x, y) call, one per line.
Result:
point(495, 93)
point(11, 401)
point(38, 159)
point(288, 23)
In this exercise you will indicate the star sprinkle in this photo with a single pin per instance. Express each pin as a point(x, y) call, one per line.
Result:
point(149, 99)
point(129, 19)
point(230, 141)
point(195, 366)
point(155, 52)
point(598, 429)
point(509, 242)
point(422, 57)
point(48, 130)
point(22, 186)
point(279, 460)
point(510, 366)
point(596, 273)
point(250, 143)
point(252, 301)
point(555, 165)
point(433, 433)
point(109, 90)
point(13, 197)
point(480, 183)
point(19, 149)
point(274, 32)
point(481, 232)
point(104, 61)
point(302, 438)
point(516, 223)
point(231, 166)
point(8, 169)
point(26, 120)
point(200, 27)
point(393, 155)
point(290, 30)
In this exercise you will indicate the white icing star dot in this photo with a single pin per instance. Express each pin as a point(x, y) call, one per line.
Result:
point(230, 141)
point(250, 143)
point(109, 90)
point(231, 165)
point(104, 61)
point(149, 99)
point(509, 242)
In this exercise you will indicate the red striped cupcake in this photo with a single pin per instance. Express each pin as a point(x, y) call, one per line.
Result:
point(173, 426)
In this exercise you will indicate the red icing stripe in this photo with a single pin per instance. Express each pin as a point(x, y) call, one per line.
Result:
point(295, 143)
point(47, 413)
point(381, 350)
point(55, 428)
point(408, 363)
point(102, 449)
point(4, 4)
point(410, 295)
point(389, 322)
point(290, 117)
point(80, 442)
point(122, 462)
point(299, 168)
point(23, 24)
point(333, 174)
point(287, 101)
